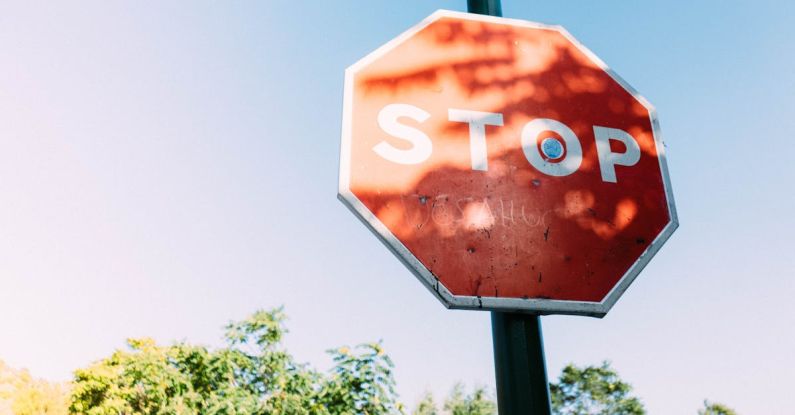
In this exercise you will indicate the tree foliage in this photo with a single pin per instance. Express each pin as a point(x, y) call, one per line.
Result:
point(589, 390)
point(426, 406)
point(593, 390)
point(21, 394)
point(459, 402)
point(252, 375)
point(476, 403)
point(712, 408)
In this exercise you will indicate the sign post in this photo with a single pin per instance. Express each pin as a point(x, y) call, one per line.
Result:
point(522, 386)
point(511, 170)
point(519, 363)
point(487, 7)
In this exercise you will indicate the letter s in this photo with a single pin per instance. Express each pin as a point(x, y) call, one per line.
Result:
point(421, 144)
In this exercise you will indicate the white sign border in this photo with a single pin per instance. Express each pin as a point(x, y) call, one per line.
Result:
point(531, 305)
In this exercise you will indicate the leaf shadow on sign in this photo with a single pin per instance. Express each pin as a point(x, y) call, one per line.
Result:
point(512, 230)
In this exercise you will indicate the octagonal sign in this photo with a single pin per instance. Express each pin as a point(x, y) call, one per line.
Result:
point(505, 165)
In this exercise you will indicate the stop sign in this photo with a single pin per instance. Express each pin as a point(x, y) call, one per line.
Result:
point(505, 165)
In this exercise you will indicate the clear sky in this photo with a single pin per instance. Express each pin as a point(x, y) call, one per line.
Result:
point(167, 167)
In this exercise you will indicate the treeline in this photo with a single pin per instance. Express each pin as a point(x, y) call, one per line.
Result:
point(254, 374)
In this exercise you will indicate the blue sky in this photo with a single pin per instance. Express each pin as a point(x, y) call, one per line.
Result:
point(167, 168)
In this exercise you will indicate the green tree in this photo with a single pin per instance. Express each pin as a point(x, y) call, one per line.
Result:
point(476, 403)
point(459, 403)
point(711, 408)
point(21, 394)
point(427, 406)
point(252, 375)
point(593, 390)
point(360, 383)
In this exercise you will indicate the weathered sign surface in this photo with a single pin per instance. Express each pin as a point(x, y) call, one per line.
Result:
point(505, 165)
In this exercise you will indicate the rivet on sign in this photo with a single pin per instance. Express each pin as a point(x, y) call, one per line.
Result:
point(552, 148)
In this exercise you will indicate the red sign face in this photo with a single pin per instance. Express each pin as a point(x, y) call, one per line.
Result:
point(505, 164)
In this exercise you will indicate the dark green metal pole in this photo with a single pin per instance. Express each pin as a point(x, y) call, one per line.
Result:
point(490, 7)
point(522, 386)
